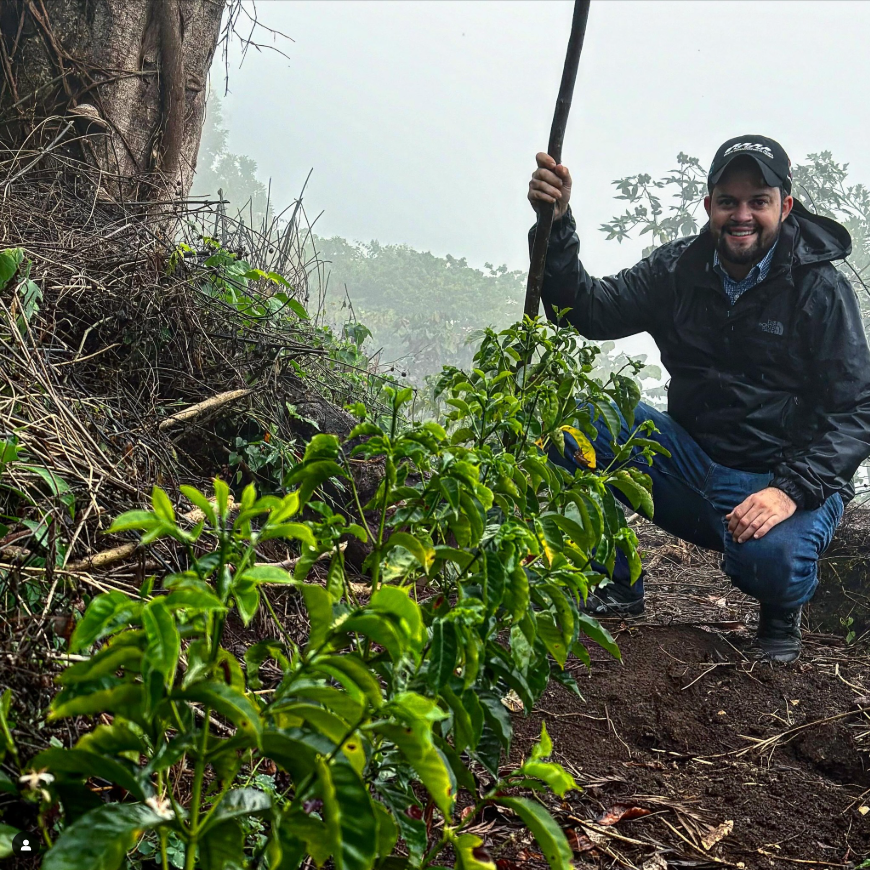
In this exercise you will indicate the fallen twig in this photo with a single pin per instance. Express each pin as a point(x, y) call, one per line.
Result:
point(761, 744)
point(104, 558)
point(707, 855)
point(802, 860)
point(202, 408)
point(608, 832)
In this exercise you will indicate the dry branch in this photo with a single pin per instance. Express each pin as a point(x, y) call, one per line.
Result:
point(104, 559)
point(200, 409)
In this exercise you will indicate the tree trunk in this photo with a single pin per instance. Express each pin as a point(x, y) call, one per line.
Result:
point(124, 78)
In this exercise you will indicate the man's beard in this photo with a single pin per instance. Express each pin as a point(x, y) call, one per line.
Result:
point(746, 256)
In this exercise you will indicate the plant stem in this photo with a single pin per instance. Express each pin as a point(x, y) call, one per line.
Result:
point(164, 856)
point(355, 492)
point(196, 798)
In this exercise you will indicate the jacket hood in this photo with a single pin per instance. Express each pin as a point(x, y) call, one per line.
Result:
point(820, 239)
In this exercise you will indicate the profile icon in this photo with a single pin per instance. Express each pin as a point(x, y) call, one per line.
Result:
point(24, 843)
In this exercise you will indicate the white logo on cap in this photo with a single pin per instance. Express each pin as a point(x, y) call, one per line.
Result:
point(750, 146)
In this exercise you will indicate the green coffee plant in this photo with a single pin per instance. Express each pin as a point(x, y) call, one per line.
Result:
point(35, 502)
point(231, 280)
point(8, 754)
point(27, 295)
point(390, 710)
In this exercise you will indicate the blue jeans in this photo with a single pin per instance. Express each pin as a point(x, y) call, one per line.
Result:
point(692, 494)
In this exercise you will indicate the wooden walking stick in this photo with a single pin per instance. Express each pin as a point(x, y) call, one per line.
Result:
point(554, 149)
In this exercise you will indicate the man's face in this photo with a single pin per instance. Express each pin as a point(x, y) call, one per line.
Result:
point(745, 217)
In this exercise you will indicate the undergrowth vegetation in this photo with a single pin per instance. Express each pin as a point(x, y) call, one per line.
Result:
point(383, 733)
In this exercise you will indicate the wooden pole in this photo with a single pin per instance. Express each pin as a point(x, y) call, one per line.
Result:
point(554, 149)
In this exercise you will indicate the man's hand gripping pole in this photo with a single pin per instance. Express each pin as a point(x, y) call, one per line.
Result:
point(554, 149)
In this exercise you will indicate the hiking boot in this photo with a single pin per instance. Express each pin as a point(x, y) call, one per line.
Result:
point(613, 600)
point(779, 635)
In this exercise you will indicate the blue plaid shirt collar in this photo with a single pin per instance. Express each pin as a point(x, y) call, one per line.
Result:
point(735, 289)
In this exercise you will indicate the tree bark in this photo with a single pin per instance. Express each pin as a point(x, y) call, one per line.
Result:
point(129, 74)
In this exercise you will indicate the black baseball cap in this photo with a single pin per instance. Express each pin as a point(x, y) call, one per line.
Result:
point(768, 154)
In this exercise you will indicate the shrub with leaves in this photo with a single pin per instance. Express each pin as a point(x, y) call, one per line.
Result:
point(389, 715)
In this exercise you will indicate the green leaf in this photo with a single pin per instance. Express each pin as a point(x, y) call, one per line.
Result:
point(335, 577)
point(463, 728)
point(497, 718)
point(124, 700)
point(225, 700)
point(106, 661)
point(295, 755)
point(10, 260)
point(549, 835)
point(105, 614)
point(349, 815)
point(162, 505)
point(222, 847)
point(141, 520)
point(442, 654)
point(7, 835)
point(327, 723)
point(84, 764)
point(379, 628)
point(412, 828)
point(247, 598)
point(581, 535)
point(470, 854)
point(338, 701)
point(222, 498)
point(353, 674)
point(397, 602)
point(300, 835)
point(310, 474)
point(101, 838)
point(238, 803)
point(58, 486)
point(202, 600)
point(610, 416)
point(516, 595)
point(544, 747)
point(461, 773)
point(113, 739)
point(388, 832)
point(256, 654)
point(424, 554)
point(298, 309)
point(556, 777)
point(593, 629)
point(267, 574)
point(427, 761)
point(549, 633)
point(318, 603)
point(292, 531)
point(640, 498)
point(164, 642)
point(198, 499)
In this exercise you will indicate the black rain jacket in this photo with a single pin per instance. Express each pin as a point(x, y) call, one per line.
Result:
point(777, 382)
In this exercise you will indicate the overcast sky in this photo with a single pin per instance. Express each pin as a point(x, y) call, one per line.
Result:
point(421, 119)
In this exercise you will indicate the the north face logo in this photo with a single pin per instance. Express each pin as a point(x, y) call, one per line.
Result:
point(774, 327)
point(750, 146)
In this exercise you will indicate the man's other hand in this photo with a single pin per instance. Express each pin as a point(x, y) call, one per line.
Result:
point(758, 514)
point(551, 182)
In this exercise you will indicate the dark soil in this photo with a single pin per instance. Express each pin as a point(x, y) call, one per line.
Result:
point(674, 728)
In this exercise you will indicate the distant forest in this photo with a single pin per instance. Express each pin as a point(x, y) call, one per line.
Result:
point(421, 310)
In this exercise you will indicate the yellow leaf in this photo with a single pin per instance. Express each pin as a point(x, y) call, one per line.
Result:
point(585, 455)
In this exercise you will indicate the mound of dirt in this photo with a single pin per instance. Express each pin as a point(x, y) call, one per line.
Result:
point(692, 755)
